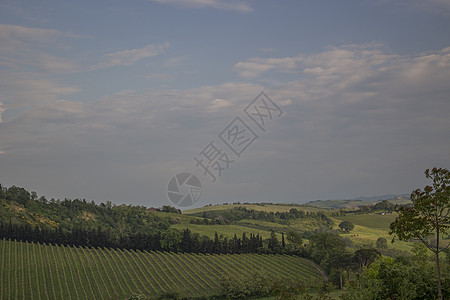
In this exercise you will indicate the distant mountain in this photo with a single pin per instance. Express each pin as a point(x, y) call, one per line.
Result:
point(360, 201)
point(382, 197)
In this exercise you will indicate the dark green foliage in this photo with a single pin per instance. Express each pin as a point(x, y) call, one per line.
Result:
point(170, 240)
point(337, 263)
point(384, 205)
point(294, 237)
point(364, 257)
point(274, 245)
point(389, 279)
point(261, 284)
point(346, 226)
point(240, 213)
point(323, 244)
point(81, 223)
point(428, 216)
point(170, 209)
point(381, 243)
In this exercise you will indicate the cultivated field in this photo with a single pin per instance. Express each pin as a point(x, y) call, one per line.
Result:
point(35, 271)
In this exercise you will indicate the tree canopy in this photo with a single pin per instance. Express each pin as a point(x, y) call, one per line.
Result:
point(347, 226)
point(428, 216)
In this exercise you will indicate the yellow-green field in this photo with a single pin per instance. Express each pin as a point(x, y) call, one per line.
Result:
point(225, 230)
point(368, 227)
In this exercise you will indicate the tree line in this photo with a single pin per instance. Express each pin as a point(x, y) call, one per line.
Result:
point(240, 213)
point(168, 240)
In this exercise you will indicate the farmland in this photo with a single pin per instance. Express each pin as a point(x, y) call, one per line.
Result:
point(36, 271)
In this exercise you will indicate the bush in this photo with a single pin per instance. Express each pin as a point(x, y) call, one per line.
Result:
point(260, 285)
point(381, 243)
point(387, 278)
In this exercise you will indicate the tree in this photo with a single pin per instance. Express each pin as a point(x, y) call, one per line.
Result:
point(170, 240)
point(341, 261)
point(323, 244)
point(364, 257)
point(273, 242)
point(381, 243)
point(294, 237)
point(347, 226)
point(186, 241)
point(429, 215)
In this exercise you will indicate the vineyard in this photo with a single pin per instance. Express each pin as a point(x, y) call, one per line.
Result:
point(36, 271)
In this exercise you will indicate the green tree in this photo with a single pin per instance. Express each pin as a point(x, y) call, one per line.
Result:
point(294, 237)
point(273, 242)
point(381, 243)
point(323, 244)
point(170, 240)
point(364, 257)
point(340, 261)
point(347, 226)
point(428, 216)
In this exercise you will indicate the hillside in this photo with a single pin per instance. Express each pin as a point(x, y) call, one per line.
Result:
point(369, 225)
point(135, 227)
point(75, 249)
point(77, 272)
point(355, 203)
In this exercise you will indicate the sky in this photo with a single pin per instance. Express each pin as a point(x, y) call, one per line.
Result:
point(109, 100)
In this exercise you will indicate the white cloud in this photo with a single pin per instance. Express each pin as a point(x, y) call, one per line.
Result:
point(357, 110)
point(219, 104)
point(31, 89)
point(129, 57)
point(239, 6)
point(256, 66)
point(336, 60)
point(27, 79)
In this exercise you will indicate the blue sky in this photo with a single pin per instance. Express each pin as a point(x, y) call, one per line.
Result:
point(108, 100)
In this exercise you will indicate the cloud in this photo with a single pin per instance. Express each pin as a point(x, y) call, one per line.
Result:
point(31, 89)
point(256, 66)
point(27, 78)
point(14, 36)
point(2, 109)
point(435, 6)
point(355, 115)
point(336, 60)
point(217, 4)
point(15, 32)
point(174, 61)
point(26, 47)
point(129, 57)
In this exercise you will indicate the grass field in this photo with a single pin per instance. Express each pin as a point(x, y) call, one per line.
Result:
point(225, 230)
point(35, 271)
point(368, 228)
point(371, 220)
